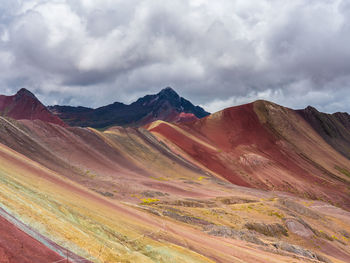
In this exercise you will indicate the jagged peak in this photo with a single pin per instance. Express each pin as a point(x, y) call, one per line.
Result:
point(341, 113)
point(168, 91)
point(311, 109)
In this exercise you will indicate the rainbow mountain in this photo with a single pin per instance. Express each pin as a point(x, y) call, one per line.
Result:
point(253, 183)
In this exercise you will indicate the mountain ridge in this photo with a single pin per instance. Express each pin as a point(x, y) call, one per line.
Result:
point(333, 128)
point(166, 105)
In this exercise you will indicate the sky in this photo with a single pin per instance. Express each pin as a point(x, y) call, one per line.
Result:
point(217, 53)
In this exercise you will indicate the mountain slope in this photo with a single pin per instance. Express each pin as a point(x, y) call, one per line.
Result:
point(18, 247)
point(24, 105)
point(333, 128)
point(167, 105)
point(174, 212)
point(265, 146)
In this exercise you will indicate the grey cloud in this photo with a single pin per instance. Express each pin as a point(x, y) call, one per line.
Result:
point(216, 53)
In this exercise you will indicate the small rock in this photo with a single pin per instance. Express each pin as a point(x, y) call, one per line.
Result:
point(228, 232)
point(272, 230)
point(297, 228)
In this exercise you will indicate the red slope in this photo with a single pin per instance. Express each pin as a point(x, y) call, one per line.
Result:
point(231, 131)
point(239, 129)
point(250, 151)
point(169, 115)
point(185, 117)
point(24, 105)
point(203, 154)
point(236, 126)
point(18, 247)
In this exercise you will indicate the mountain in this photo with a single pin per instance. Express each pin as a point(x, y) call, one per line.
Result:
point(265, 146)
point(167, 105)
point(253, 183)
point(24, 105)
point(333, 128)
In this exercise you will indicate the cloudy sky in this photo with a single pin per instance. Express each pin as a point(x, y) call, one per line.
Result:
point(215, 53)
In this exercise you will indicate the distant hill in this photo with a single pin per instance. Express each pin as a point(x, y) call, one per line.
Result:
point(24, 105)
point(167, 105)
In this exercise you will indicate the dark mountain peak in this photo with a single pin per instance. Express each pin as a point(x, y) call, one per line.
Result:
point(311, 109)
point(166, 95)
point(168, 98)
point(169, 92)
point(24, 93)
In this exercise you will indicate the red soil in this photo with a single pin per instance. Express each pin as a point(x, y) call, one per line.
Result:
point(237, 131)
point(239, 127)
point(185, 117)
point(201, 153)
point(251, 153)
point(18, 247)
point(236, 126)
point(24, 105)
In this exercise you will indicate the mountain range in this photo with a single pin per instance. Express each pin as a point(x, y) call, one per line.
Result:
point(165, 181)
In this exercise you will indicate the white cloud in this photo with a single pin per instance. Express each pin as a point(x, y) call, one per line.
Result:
point(216, 53)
